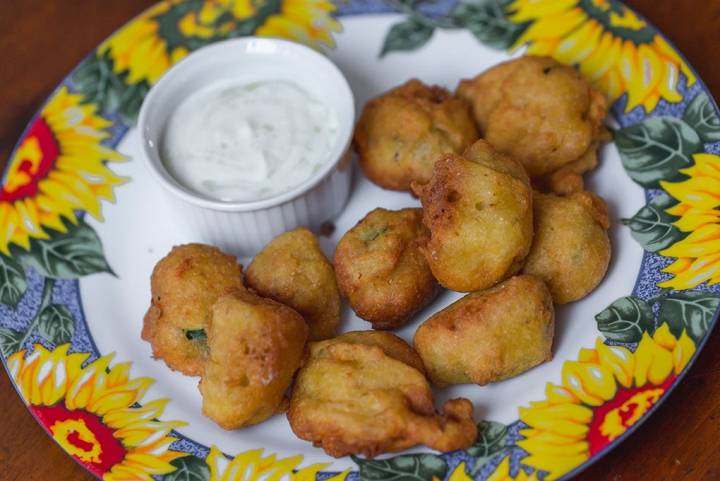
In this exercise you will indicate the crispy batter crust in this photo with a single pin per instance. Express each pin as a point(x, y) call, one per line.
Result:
point(478, 210)
point(353, 398)
point(489, 335)
point(392, 345)
point(542, 113)
point(401, 133)
point(294, 271)
point(571, 250)
point(380, 269)
point(184, 285)
point(255, 347)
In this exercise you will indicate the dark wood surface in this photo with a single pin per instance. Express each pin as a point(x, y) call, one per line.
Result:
point(42, 40)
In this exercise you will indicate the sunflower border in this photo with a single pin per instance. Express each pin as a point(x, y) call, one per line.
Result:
point(497, 454)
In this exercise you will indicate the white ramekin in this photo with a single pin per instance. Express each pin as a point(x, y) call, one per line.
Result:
point(243, 228)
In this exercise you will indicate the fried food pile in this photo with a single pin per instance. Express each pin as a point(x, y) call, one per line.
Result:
point(504, 219)
point(364, 392)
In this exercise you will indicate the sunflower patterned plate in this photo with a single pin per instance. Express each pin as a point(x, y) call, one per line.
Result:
point(84, 225)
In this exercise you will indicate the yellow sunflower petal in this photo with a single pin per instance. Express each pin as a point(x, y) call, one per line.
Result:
point(683, 352)
point(619, 360)
point(664, 338)
point(653, 363)
point(537, 445)
point(341, 476)
point(672, 55)
point(703, 242)
point(700, 192)
point(49, 377)
point(693, 219)
point(524, 10)
point(591, 383)
point(555, 27)
point(650, 70)
point(560, 426)
point(139, 435)
point(580, 44)
point(558, 394)
point(603, 57)
point(458, 474)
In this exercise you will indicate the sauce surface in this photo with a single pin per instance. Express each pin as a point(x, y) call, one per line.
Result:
point(248, 141)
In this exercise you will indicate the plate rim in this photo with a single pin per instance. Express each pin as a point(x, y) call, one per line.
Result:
point(117, 137)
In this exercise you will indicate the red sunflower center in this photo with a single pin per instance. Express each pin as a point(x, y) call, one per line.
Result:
point(83, 435)
point(613, 418)
point(32, 161)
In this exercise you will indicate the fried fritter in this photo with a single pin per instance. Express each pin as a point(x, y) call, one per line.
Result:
point(489, 335)
point(185, 284)
point(356, 398)
point(294, 271)
point(478, 209)
point(401, 133)
point(571, 249)
point(540, 112)
point(255, 346)
point(391, 344)
point(380, 270)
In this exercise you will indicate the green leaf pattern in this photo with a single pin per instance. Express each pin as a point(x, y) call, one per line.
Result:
point(656, 149)
point(70, 255)
point(653, 227)
point(10, 341)
point(408, 35)
point(409, 467)
point(189, 468)
point(12, 281)
point(626, 319)
point(488, 22)
point(701, 116)
point(492, 439)
point(110, 91)
point(692, 311)
point(56, 324)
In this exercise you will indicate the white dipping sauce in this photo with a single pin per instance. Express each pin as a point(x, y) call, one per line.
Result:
point(248, 141)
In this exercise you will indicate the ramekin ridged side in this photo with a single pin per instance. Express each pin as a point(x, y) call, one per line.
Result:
point(244, 234)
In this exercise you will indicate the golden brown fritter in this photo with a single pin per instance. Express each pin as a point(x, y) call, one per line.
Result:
point(489, 335)
point(540, 112)
point(294, 271)
point(380, 270)
point(255, 346)
point(478, 209)
point(401, 133)
point(391, 344)
point(354, 398)
point(185, 284)
point(571, 249)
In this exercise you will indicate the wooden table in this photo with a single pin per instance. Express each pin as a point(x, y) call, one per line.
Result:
point(42, 40)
